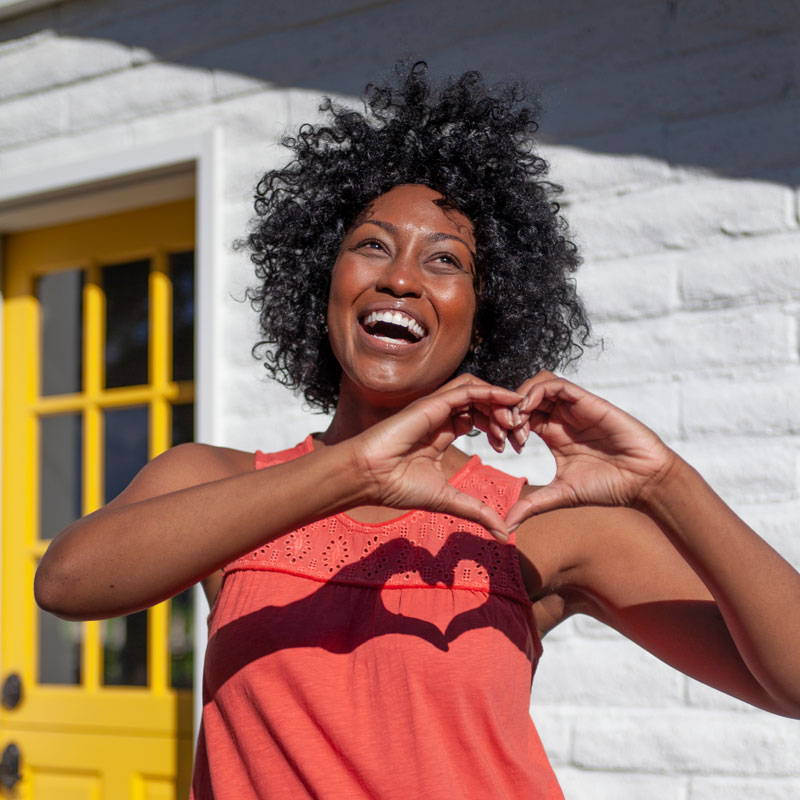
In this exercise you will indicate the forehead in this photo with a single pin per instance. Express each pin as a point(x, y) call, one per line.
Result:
point(418, 206)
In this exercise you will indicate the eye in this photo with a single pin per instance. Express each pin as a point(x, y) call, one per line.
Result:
point(448, 261)
point(370, 244)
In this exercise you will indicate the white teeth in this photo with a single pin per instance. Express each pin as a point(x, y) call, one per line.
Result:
point(395, 318)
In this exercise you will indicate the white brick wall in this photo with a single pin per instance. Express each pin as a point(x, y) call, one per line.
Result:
point(674, 128)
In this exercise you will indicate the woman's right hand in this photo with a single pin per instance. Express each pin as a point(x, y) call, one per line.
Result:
point(401, 457)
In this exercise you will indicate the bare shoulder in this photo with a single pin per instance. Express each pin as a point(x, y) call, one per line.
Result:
point(182, 467)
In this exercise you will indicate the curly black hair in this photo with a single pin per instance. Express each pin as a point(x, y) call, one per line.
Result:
point(471, 143)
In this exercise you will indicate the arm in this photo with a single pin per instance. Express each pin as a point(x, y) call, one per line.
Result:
point(676, 570)
point(188, 512)
point(183, 516)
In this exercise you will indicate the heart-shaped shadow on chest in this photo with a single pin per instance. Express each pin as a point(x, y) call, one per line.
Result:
point(340, 621)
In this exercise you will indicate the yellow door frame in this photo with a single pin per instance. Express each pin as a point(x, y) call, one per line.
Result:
point(153, 720)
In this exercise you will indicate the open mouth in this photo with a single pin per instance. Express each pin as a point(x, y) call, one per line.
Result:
point(393, 326)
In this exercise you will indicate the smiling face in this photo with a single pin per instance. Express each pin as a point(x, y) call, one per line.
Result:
point(402, 299)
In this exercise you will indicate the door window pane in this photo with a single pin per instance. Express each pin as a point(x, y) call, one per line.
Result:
point(59, 650)
point(125, 650)
point(60, 302)
point(181, 266)
point(182, 424)
point(127, 328)
point(126, 447)
point(181, 640)
point(60, 479)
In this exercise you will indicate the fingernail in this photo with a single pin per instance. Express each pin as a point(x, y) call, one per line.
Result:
point(515, 417)
point(514, 527)
point(499, 535)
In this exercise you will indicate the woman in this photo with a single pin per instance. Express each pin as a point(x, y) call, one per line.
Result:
point(413, 268)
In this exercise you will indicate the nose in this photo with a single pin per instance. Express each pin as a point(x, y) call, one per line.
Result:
point(402, 277)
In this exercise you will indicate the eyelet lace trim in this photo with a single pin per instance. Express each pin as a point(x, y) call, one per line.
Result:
point(419, 549)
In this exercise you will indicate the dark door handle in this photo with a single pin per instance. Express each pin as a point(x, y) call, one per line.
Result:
point(11, 691)
point(9, 766)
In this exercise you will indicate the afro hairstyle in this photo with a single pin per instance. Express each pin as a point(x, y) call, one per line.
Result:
point(471, 143)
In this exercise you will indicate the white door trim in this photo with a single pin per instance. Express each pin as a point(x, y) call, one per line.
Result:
point(72, 190)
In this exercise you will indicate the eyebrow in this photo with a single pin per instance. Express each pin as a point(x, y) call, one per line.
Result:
point(433, 237)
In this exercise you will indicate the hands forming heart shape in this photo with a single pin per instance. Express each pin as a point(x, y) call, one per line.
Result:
point(603, 455)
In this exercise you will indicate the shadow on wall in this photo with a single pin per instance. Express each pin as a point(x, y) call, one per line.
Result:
point(712, 85)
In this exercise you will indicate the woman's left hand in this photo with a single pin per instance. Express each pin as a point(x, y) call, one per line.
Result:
point(603, 455)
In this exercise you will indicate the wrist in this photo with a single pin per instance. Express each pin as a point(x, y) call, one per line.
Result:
point(665, 484)
point(351, 473)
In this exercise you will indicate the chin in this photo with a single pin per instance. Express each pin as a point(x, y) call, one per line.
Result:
point(392, 391)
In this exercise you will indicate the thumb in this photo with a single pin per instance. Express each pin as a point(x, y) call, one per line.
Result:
point(547, 498)
point(464, 505)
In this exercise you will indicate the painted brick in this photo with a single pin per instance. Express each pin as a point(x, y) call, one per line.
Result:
point(25, 30)
point(744, 788)
point(553, 43)
point(606, 673)
point(710, 80)
point(591, 628)
point(766, 403)
point(778, 523)
point(699, 24)
point(746, 470)
point(535, 463)
point(629, 288)
point(61, 150)
point(28, 119)
point(699, 695)
point(582, 170)
point(689, 341)
point(688, 741)
point(714, 79)
point(754, 137)
point(682, 215)
point(83, 16)
point(252, 403)
point(655, 403)
point(149, 89)
point(56, 61)
point(177, 29)
point(762, 269)
point(596, 785)
point(232, 83)
point(563, 632)
point(555, 730)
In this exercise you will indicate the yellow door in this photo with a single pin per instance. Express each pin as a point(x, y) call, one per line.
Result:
point(98, 378)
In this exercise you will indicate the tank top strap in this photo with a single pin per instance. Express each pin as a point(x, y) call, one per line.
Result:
point(263, 460)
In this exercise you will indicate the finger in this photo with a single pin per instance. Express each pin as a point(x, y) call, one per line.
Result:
point(548, 498)
point(519, 436)
point(540, 377)
point(464, 505)
point(496, 436)
point(464, 379)
point(434, 410)
point(463, 422)
point(480, 420)
point(543, 396)
point(477, 394)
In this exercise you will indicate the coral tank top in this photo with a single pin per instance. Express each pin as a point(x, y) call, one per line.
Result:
point(391, 660)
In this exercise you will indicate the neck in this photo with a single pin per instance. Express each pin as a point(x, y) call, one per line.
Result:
point(354, 415)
